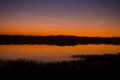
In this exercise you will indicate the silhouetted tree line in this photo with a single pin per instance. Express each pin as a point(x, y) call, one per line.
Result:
point(59, 40)
point(95, 67)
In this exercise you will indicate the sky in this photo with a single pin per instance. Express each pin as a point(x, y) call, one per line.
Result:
point(60, 17)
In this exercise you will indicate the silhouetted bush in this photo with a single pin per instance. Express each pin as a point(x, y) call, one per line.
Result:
point(91, 67)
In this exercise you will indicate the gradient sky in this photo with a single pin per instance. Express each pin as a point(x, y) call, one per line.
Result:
point(60, 17)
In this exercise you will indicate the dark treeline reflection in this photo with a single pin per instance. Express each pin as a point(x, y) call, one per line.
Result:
point(59, 40)
point(95, 67)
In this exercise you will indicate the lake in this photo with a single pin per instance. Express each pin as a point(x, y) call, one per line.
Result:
point(51, 53)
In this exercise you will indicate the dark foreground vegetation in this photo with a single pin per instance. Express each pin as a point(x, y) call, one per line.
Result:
point(59, 40)
point(92, 67)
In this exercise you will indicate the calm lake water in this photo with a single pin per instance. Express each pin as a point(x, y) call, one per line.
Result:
point(48, 53)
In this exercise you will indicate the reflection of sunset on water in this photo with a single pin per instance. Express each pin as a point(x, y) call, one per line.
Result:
point(53, 53)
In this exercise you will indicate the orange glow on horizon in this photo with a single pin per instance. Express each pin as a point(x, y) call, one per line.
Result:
point(76, 28)
point(76, 32)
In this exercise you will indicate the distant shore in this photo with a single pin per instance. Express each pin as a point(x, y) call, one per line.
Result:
point(60, 40)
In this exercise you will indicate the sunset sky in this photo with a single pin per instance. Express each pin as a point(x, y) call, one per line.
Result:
point(60, 17)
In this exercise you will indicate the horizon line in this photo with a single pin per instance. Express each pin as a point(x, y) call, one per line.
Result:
point(59, 35)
